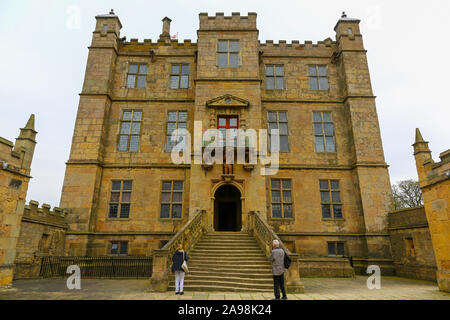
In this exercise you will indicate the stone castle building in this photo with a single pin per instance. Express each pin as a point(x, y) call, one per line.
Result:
point(434, 180)
point(15, 169)
point(331, 194)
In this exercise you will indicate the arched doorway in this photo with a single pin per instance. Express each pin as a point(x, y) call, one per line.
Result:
point(227, 209)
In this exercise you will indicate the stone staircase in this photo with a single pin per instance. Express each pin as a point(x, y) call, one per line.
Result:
point(227, 261)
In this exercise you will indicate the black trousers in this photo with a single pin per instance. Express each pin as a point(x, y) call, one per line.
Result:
point(278, 283)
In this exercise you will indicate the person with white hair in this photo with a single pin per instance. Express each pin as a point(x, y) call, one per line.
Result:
point(277, 259)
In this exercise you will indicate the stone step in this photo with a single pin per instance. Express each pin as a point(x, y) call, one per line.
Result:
point(228, 236)
point(214, 288)
point(214, 284)
point(262, 273)
point(230, 247)
point(225, 254)
point(229, 258)
point(230, 268)
point(234, 264)
point(230, 243)
point(214, 278)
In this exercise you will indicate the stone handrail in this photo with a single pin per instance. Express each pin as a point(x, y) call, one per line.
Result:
point(265, 235)
point(187, 236)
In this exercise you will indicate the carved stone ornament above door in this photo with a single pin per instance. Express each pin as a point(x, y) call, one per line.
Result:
point(227, 101)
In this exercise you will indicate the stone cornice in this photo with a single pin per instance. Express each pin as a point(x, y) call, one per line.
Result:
point(415, 226)
point(37, 221)
point(121, 233)
point(334, 234)
point(228, 79)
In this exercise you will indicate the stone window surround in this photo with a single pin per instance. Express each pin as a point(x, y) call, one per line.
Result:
point(277, 122)
point(170, 218)
point(331, 203)
point(334, 131)
point(136, 75)
point(317, 76)
point(166, 134)
point(119, 248)
point(282, 218)
point(410, 247)
point(228, 53)
point(274, 76)
point(130, 134)
point(120, 199)
point(336, 248)
point(180, 64)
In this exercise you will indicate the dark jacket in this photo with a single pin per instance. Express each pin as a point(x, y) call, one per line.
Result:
point(177, 260)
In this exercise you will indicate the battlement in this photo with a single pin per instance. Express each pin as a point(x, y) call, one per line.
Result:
point(11, 157)
point(43, 213)
point(134, 45)
point(295, 44)
point(229, 23)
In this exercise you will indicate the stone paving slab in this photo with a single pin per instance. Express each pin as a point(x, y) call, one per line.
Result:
point(392, 288)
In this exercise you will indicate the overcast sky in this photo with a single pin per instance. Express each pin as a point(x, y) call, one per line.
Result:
point(44, 52)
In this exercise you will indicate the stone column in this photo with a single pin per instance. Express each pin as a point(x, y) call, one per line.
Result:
point(159, 282)
point(293, 281)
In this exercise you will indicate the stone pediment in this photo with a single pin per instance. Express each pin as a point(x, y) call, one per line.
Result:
point(227, 100)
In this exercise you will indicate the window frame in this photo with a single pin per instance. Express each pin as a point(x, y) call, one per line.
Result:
point(324, 135)
point(120, 202)
point(130, 134)
point(274, 76)
point(228, 53)
point(119, 247)
point(278, 127)
point(227, 127)
point(282, 202)
point(335, 243)
point(331, 204)
point(137, 74)
point(179, 75)
point(176, 126)
point(171, 202)
point(410, 247)
point(317, 77)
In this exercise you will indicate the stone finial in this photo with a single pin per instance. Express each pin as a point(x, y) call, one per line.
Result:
point(30, 123)
point(112, 12)
point(419, 137)
point(343, 15)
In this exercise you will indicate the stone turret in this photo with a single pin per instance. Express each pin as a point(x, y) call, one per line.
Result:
point(422, 154)
point(26, 143)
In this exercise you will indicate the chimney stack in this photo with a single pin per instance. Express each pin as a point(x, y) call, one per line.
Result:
point(165, 35)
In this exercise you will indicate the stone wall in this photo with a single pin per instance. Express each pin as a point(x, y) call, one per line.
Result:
point(15, 168)
point(411, 246)
point(434, 180)
point(42, 233)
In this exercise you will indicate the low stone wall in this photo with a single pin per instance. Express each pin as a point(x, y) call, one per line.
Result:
point(42, 234)
point(411, 246)
point(325, 267)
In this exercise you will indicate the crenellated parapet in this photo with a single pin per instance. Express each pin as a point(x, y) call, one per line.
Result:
point(34, 213)
point(233, 22)
point(295, 48)
point(134, 45)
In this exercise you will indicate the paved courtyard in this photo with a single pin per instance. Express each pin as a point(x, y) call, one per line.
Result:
point(392, 288)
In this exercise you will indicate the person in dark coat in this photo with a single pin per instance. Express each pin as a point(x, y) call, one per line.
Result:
point(277, 259)
point(177, 261)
